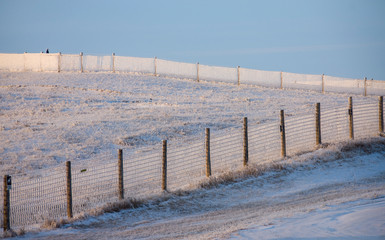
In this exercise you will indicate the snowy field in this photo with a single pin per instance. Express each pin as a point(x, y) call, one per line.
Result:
point(49, 118)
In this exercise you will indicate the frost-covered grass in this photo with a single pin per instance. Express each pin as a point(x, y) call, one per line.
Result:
point(49, 118)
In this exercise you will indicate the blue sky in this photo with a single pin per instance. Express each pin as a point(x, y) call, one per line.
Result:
point(335, 37)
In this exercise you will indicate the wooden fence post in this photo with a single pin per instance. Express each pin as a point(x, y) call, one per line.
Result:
point(283, 134)
point(350, 111)
point(81, 62)
point(197, 71)
point(323, 83)
point(318, 124)
point(59, 62)
point(281, 80)
point(69, 189)
point(239, 75)
point(155, 66)
point(381, 114)
point(164, 166)
point(207, 146)
point(6, 206)
point(120, 175)
point(365, 86)
point(245, 143)
point(41, 59)
point(25, 61)
point(113, 62)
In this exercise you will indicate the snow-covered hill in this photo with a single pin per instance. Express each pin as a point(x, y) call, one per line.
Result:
point(49, 118)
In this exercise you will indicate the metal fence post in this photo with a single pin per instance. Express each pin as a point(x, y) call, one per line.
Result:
point(6, 206)
point(120, 175)
point(350, 112)
point(69, 189)
point(381, 114)
point(164, 166)
point(283, 134)
point(318, 124)
point(365, 86)
point(245, 143)
point(207, 146)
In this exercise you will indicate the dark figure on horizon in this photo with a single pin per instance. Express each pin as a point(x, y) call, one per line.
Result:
point(47, 51)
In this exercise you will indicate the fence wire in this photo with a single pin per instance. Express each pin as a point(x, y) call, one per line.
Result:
point(185, 165)
point(142, 173)
point(365, 120)
point(334, 125)
point(264, 142)
point(300, 134)
point(93, 186)
point(44, 197)
point(226, 150)
point(33, 201)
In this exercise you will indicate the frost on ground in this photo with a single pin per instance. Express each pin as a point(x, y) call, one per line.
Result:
point(336, 192)
point(49, 118)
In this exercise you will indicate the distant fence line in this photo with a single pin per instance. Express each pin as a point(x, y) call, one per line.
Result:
point(41, 62)
point(71, 189)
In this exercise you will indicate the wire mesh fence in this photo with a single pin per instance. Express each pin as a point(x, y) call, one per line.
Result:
point(33, 200)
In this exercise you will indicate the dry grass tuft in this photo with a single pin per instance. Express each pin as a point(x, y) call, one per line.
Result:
point(54, 223)
point(12, 233)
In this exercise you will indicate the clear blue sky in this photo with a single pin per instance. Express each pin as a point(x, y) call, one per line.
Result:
point(336, 37)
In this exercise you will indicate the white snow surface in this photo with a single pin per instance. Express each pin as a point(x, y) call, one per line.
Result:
point(49, 118)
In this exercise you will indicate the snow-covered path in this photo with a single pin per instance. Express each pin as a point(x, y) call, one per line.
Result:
point(334, 193)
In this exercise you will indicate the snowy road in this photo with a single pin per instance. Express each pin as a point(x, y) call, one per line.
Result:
point(334, 193)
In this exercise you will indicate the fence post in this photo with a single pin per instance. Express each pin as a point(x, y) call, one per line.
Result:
point(283, 135)
point(281, 80)
point(59, 62)
point(164, 166)
point(120, 174)
point(197, 71)
point(81, 62)
point(318, 124)
point(245, 143)
point(155, 66)
point(6, 206)
point(25, 61)
point(208, 160)
point(113, 62)
point(350, 111)
point(69, 189)
point(365, 86)
point(323, 83)
point(381, 114)
point(239, 79)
